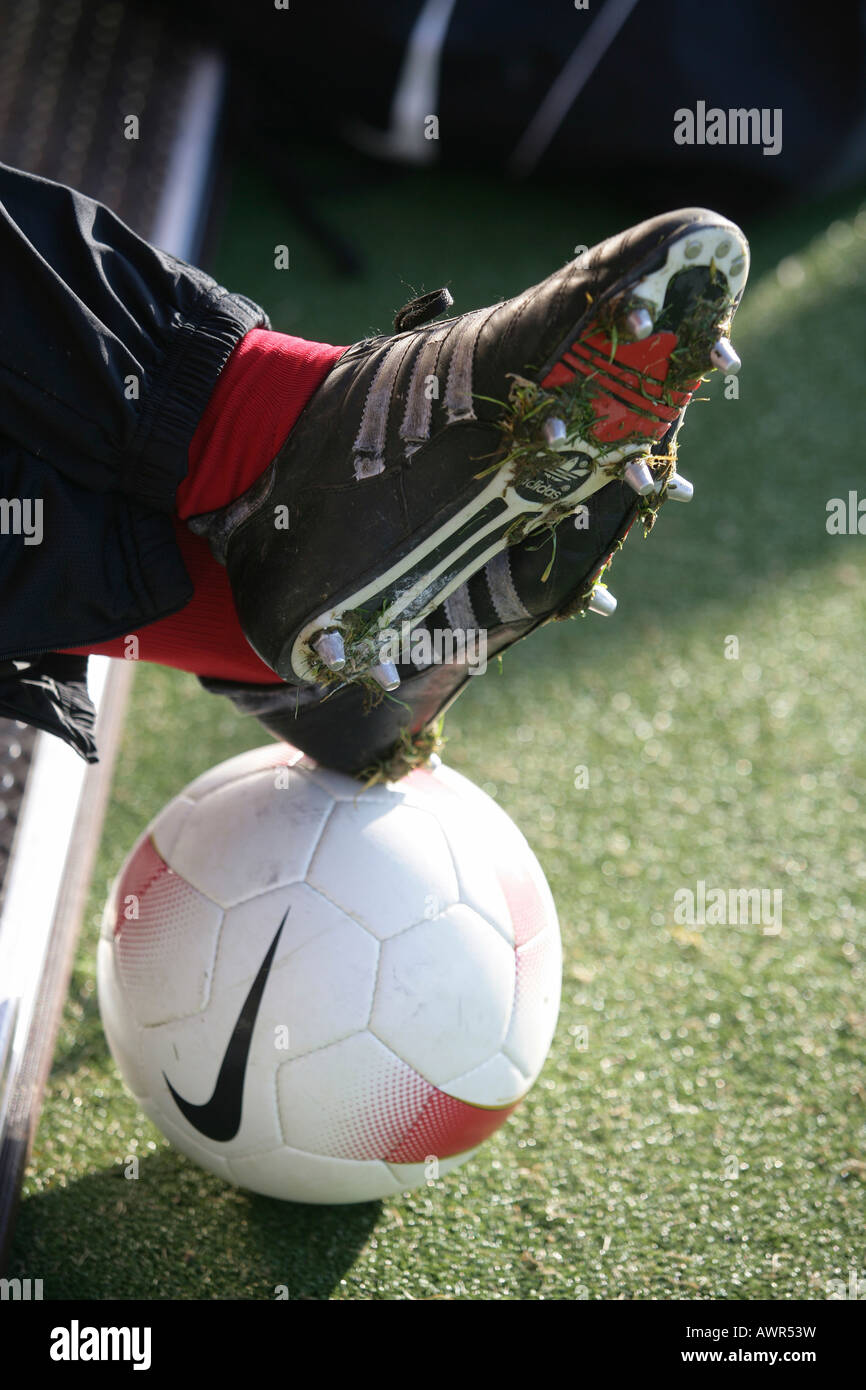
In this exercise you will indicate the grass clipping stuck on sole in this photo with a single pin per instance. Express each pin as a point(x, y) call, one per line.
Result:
point(528, 406)
point(413, 750)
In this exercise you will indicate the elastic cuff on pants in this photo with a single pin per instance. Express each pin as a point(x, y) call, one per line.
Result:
point(158, 458)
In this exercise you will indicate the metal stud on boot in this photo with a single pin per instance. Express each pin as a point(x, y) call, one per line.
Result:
point(331, 650)
point(722, 355)
point(602, 602)
point(639, 477)
point(679, 489)
point(639, 323)
point(554, 432)
point(385, 673)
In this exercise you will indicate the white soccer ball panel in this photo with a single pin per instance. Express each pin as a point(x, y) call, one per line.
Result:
point(358, 1100)
point(444, 996)
point(346, 1101)
point(270, 756)
point(385, 864)
point(165, 829)
point(479, 885)
point(251, 835)
point(474, 854)
point(120, 1028)
point(498, 1082)
point(519, 875)
point(165, 936)
point(411, 1175)
point(536, 1002)
point(302, 1177)
point(497, 872)
point(321, 983)
point(343, 788)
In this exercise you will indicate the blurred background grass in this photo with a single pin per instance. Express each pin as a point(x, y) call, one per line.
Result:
point(698, 1129)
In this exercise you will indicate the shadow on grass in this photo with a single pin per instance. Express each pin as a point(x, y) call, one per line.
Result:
point(104, 1236)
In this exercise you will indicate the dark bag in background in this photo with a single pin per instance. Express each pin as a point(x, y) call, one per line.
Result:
point(547, 88)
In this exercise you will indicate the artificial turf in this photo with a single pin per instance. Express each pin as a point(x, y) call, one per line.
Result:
point(698, 1129)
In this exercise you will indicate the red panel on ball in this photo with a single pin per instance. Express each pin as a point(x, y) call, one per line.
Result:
point(446, 1126)
point(145, 866)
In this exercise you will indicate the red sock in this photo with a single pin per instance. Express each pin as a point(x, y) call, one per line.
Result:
point(260, 393)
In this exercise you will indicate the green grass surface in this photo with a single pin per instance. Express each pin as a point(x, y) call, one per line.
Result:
point(704, 1136)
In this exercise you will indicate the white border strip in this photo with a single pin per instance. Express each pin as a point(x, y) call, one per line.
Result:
point(50, 807)
point(37, 865)
point(176, 220)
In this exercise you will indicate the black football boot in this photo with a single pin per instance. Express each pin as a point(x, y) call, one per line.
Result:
point(423, 456)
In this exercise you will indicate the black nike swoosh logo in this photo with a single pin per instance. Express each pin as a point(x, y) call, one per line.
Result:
point(220, 1117)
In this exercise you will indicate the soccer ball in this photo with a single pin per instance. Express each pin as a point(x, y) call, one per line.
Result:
point(326, 993)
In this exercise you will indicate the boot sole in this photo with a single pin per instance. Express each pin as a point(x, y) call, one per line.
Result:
point(633, 410)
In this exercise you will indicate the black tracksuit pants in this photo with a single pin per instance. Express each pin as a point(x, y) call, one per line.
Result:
point(109, 352)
